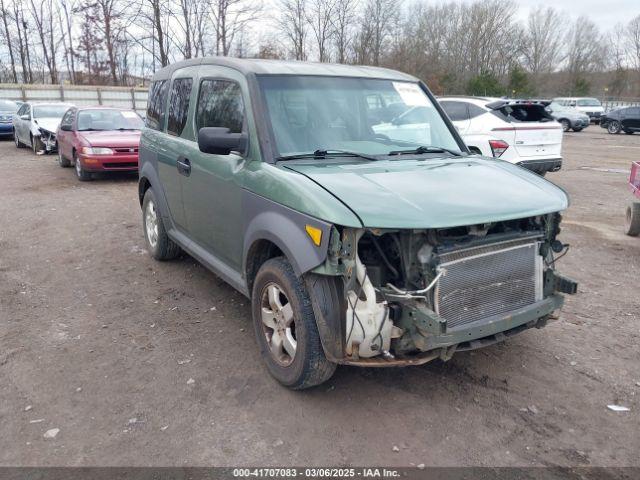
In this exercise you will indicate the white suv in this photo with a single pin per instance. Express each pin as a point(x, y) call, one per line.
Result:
point(517, 131)
point(591, 106)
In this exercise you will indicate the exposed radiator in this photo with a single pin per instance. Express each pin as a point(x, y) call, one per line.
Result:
point(488, 280)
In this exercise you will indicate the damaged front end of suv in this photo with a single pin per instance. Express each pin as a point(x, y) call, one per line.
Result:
point(414, 295)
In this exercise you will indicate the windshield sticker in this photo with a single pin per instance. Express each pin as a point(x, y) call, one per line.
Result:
point(411, 94)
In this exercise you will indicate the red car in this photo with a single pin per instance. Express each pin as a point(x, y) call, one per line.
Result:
point(99, 139)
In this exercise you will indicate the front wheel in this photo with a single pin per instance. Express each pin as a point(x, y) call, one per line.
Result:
point(566, 125)
point(81, 173)
point(613, 127)
point(62, 161)
point(36, 145)
point(632, 223)
point(285, 327)
point(17, 142)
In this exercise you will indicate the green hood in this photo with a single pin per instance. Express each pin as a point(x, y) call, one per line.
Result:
point(435, 193)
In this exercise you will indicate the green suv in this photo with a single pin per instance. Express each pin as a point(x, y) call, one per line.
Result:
point(343, 203)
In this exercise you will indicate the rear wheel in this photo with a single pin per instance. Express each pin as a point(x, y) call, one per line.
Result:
point(285, 327)
point(81, 173)
point(160, 246)
point(613, 127)
point(632, 223)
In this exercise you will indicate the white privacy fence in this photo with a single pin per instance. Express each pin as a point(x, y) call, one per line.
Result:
point(122, 97)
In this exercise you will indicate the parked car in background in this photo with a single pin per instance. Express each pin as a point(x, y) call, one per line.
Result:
point(99, 139)
point(591, 106)
point(569, 117)
point(35, 125)
point(7, 109)
point(359, 239)
point(625, 120)
point(515, 131)
point(632, 221)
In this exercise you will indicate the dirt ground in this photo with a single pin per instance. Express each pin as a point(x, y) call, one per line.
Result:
point(144, 363)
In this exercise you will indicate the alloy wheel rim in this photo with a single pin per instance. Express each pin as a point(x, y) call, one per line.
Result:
point(613, 127)
point(278, 324)
point(151, 224)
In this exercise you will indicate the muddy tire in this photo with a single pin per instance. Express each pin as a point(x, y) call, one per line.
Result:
point(613, 127)
point(62, 161)
point(285, 327)
point(81, 173)
point(632, 221)
point(36, 144)
point(159, 245)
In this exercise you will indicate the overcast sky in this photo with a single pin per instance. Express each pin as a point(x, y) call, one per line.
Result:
point(605, 13)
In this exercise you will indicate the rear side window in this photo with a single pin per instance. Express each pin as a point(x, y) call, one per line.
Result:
point(156, 104)
point(475, 111)
point(456, 110)
point(525, 113)
point(178, 105)
point(220, 105)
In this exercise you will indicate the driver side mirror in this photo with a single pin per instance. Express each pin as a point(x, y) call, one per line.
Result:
point(220, 141)
point(66, 128)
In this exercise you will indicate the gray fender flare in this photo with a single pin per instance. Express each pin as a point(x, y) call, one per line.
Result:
point(285, 228)
point(149, 174)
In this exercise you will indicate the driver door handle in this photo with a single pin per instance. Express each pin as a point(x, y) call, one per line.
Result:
point(184, 166)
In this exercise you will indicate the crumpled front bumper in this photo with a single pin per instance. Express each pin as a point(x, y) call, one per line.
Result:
point(48, 140)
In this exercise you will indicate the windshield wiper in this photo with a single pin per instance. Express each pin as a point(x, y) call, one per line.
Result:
point(322, 154)
point(426, 149)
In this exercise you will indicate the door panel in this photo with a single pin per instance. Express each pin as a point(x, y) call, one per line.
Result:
point(213, 190)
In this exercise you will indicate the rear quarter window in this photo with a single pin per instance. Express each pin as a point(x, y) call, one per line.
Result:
point(456, 110)
point(156, 104)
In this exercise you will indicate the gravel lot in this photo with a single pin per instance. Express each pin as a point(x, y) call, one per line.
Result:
point(145, 363)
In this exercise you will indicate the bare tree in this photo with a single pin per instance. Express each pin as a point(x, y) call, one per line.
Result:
point(44, 18)
point(230, 18)
point(7, 34)
point(68, 7)
point(343, 22)
point(543, 41)
point(378, 19)
point(293, 24)
point(585, 53)
point(320, 14)
point(632, 43)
